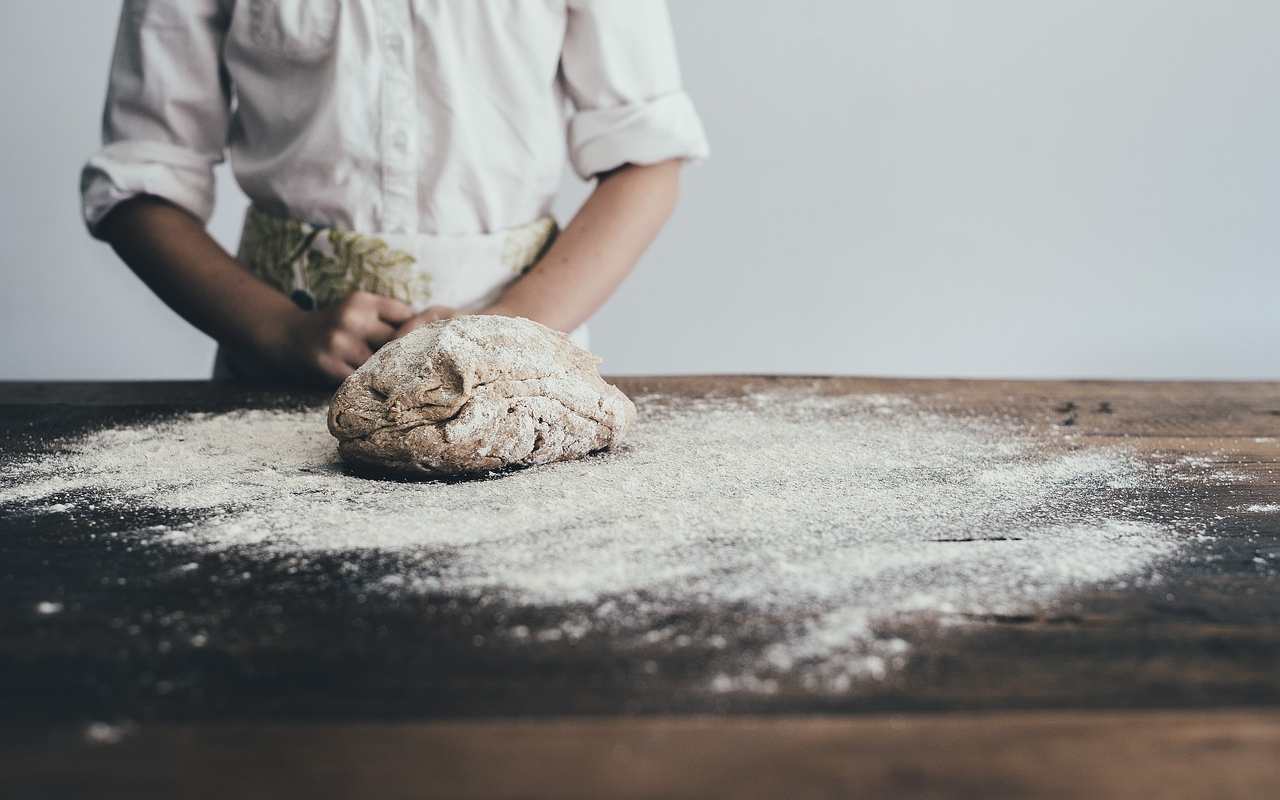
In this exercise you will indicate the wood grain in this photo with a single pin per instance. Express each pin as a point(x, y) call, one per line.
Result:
point(1034, 755)
point(307, 698)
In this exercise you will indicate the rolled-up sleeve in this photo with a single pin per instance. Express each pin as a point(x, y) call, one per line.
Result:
point(620, 70)
point(164, 126)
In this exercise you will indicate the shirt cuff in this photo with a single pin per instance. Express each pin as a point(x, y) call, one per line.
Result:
point(127, 169)
point(657, 130)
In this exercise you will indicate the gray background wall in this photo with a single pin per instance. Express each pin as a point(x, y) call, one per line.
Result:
point(924, 187)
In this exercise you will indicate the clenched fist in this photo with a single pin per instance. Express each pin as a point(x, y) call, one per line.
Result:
point(332, 343)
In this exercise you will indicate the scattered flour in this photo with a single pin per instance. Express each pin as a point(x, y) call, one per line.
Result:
point(837, 514)
point(105, 733)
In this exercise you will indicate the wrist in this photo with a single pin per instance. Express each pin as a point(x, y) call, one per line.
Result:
point(270, 332)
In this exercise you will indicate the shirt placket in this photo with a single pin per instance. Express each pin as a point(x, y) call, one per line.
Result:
point(398, 116)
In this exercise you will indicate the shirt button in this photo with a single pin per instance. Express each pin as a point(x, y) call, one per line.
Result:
point(396, 45)
point(400, 141)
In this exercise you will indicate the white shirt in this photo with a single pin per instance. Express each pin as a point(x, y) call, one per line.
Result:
point(438, 117)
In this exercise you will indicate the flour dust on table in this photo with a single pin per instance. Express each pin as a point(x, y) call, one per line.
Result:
point(817, 523)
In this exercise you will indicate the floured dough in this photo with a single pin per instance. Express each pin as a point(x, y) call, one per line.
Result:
point(474, 394)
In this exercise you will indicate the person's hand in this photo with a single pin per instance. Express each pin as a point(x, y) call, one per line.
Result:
point(332, 343)
point(426, 317)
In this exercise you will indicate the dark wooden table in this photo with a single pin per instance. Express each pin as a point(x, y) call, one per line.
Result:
point(1170, 690)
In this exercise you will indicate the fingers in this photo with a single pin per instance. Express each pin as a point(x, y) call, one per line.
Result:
point(436, 313)
point(342, 354)
point(350, 332)
point(333, 369)
point(386, 308)
point(430, 315)
point(372, 317)
point(391, 310)
point(377, 333)
point(348, 347)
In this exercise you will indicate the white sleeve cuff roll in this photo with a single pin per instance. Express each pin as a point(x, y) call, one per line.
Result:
point(126, 169)
point(660, 129)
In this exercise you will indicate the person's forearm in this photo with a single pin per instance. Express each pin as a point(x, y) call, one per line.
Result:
point(174, 255)
point(598, 249)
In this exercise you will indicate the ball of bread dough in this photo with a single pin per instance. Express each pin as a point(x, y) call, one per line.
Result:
point(475, 394)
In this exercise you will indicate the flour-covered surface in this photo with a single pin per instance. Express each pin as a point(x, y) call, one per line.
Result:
point(768, 546)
